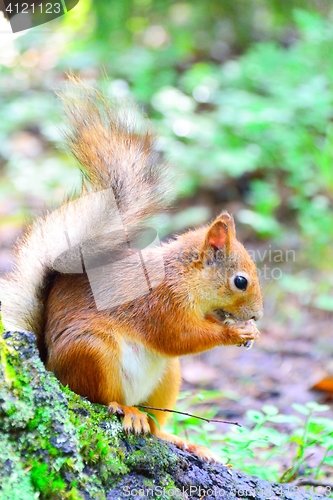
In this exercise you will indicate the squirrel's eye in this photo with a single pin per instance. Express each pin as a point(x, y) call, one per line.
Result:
point(240, 282)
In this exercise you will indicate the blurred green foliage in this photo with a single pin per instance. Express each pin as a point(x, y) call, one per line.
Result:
point(240, 91)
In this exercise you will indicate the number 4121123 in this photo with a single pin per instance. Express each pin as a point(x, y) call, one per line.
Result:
point(24, 8)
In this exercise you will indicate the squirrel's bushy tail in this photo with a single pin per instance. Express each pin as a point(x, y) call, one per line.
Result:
point(124, 179)
point(116, 150)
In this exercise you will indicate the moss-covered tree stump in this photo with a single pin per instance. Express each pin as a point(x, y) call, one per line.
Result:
point(56, 445)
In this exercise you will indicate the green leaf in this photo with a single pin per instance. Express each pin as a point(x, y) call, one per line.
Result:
point(255, 416)
point(285, 419)
point(314, 406)
point(270, 410)
point(301, 409)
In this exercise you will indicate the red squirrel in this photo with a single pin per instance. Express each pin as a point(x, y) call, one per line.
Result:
point(206, 293)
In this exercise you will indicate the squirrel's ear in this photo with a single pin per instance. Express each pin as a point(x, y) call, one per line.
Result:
point(218, 234)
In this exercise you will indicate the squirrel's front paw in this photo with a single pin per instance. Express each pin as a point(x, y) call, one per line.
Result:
point(134, 420)
point(244, 334)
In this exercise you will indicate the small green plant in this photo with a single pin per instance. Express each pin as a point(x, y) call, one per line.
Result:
point(274, 446)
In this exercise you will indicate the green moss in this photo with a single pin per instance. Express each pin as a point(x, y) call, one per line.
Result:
point(8, 369)
point(15, 482)
point(45, 481)
point(151, 455)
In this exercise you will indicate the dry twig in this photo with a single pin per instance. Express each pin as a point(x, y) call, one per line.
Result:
point(189, 415)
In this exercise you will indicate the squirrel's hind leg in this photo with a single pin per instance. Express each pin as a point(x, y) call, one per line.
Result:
point(200, 451)
point(164, 396)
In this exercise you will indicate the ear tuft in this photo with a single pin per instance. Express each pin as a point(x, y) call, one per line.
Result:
point(228, 221)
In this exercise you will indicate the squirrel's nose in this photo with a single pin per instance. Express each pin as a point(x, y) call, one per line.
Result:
point(259, 315)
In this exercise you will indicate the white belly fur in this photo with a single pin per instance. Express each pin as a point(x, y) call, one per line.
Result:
point(142, 370)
